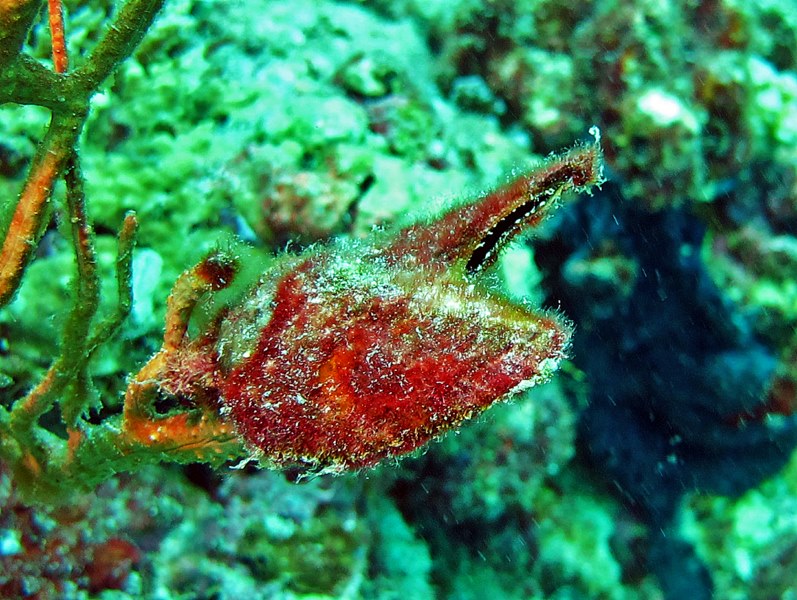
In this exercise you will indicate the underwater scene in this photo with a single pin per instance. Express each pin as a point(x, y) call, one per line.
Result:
point(398, 299)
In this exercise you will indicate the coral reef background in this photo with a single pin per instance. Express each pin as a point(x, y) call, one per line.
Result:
point(659, 461)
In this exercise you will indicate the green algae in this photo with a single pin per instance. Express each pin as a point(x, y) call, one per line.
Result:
point(319, 559)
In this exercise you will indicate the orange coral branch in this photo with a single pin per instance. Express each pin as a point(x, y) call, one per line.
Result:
point(60, 59)
point(23, 231)
point(200, 432)
point(204, 435)
point(214, 273)
point(27, 223)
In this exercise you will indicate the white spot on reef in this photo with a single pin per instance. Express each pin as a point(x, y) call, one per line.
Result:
point(665, 110)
